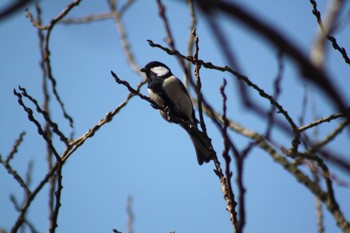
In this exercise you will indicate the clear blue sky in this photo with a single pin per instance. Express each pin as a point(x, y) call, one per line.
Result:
point(138, 153)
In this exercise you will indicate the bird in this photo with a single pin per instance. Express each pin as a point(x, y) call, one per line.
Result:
point(167, 91)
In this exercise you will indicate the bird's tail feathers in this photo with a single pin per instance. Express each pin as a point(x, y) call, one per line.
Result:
point(202, 145)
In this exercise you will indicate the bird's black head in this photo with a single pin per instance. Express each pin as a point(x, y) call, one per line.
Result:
point(156, 69)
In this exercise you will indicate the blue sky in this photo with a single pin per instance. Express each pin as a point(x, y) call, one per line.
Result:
point(138, 154)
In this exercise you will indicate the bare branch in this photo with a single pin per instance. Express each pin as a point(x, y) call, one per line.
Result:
point(320, 121)
point(46, 115)
point(170, 39)
point(191, 36)
point(117, 15)
point(47, 59)
point(16, 176)
point(74, 145)
point(277, 92)
point(318, 204)
point(130, 215)
point(36, 123)
point(318, 51)
point(237, 224)
point(198, 85)
point(58, 192)
point(312, 73)
point(13, 8)
point(330, 137)
point(15, 147)
point(88, 18)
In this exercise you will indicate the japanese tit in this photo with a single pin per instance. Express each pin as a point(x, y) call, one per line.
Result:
point(169, 92)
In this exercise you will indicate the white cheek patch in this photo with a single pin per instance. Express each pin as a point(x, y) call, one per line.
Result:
point(160, 70)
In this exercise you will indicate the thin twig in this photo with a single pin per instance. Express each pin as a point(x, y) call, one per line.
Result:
point(318, 50)
point(303, 111)
point(276, 94)
point(16, 176)
point(58, 192)
point(88, 18)
point(46, 116)
point(130, 214)
point(47, 59)
point(198, 85)
point(229, 197)
point(46, 101)
point(23, 210)
point(117, 16)
point(331, 201)
point(329, 137)
point(15, 147)
point(170, 39)
point(238, 224)
point(74, 145)
point(318, 203)
point(31, 117)
point(191, 37)
point(320, 121)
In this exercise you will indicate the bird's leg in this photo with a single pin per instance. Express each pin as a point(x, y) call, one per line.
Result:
point(169, 114)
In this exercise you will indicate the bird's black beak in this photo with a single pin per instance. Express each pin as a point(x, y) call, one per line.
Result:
point(143, 70)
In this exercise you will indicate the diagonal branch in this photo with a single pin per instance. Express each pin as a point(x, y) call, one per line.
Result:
point(41, 132)
point(46, 116)
point(320, 121)
point(318, 50)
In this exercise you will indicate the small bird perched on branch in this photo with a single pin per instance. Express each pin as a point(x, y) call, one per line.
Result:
point(168, 92)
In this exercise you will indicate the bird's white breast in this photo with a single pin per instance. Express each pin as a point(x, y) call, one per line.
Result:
point(155, 97)
point(174, 90)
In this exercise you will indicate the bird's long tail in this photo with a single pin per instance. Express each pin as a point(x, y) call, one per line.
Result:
point(202, 145)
